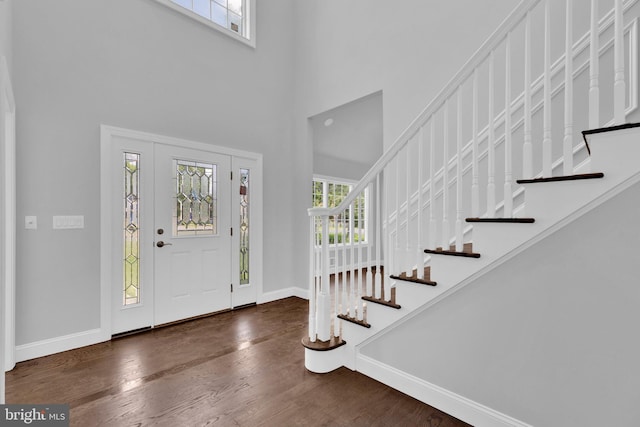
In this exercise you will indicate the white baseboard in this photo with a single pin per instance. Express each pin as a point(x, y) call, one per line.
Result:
point(433, 395)
point(59, 344)
point(283, 293)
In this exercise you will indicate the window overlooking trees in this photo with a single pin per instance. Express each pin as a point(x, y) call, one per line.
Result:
point(329, 193)
point(232, 17)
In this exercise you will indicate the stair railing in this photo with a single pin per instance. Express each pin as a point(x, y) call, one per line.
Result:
point(457, 159)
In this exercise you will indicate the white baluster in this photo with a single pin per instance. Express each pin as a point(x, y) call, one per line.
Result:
point(419, 240)
point(619, 86)
point(594, 69)
point(527, 148)
point(508, 166)
point(407, 252)
point(345, 265)
point(378, 276)
point(547, 169)
point(491, 144)
point(312, 280)
point(337, 300)
point(445, 181)
point(475, 186)
point(567, 147)
point(360, 263)
point(459, 170)
point(433, 241)
point(388, 267)
point(353, 264)
point(369, 264)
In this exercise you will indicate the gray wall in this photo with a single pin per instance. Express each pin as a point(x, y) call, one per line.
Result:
point(549, 337)
point(139, 65)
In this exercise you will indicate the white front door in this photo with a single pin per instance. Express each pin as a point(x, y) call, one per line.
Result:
point(192, 233)
point(171, 233)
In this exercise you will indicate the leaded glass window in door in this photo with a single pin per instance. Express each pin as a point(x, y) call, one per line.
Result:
point(131, 229)
point(196, 199)
point(244, 226)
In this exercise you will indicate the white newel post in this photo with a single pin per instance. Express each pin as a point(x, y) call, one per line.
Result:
point(433, 241)
point(378, 277)
point(324, 297)
point(420, 241)
point(475, 172)
point(619, 86)
point(313, 278)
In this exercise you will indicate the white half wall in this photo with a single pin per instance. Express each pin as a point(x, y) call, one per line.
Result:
point(546, 338)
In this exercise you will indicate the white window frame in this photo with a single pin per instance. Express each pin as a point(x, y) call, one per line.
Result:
point(249, 25)
point(326, 180)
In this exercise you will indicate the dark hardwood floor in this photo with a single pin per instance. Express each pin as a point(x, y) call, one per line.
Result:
point(241, 368)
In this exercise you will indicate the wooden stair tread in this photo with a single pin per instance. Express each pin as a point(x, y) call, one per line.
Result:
point(318, 345)
point(414, 277)
point(383, 302)
point(503, 220)
point(577, 177)
point(354, 320)
point(467, 251)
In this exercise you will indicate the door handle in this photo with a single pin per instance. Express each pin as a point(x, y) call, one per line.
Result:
point(161, 244)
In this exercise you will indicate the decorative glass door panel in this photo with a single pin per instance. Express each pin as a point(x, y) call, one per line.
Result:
point(192, 250)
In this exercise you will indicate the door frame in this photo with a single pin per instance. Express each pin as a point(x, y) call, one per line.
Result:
point(107, 134)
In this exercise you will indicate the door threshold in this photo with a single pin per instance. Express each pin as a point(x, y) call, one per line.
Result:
point(132, 332)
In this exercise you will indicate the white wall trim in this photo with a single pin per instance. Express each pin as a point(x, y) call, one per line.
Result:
point(447, 401)
point(8, 228)
point(59, 344)
point(282, 294)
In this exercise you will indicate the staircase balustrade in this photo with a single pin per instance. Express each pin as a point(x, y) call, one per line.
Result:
point(457, 159)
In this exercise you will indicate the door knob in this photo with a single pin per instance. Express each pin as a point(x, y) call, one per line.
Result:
point(161, 244)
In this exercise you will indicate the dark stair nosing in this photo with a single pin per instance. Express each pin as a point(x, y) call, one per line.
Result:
point(452, 253)
point(413, 279)
point(503, 220)
point(382, 302)
point(577, 177)
point(318, 345)
point(354, 320)
point(606, 129)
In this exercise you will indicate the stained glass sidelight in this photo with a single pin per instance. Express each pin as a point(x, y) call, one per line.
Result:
point(196, 199)
point(131, 229)
point(244, 226)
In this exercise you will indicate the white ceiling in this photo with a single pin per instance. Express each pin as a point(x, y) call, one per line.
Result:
point(356, 133)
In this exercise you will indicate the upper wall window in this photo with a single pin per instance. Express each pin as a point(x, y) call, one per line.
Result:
point(232, 17)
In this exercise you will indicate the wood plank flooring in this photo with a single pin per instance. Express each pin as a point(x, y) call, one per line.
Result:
point(240, 368)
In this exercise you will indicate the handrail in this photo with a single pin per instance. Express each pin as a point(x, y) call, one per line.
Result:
point(465, 72)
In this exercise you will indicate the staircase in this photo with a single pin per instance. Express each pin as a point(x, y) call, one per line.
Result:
point(444, 208)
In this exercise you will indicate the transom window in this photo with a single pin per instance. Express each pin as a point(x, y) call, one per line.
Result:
point(233, 17)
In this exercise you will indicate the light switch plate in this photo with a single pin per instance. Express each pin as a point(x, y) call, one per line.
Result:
point(68, 222)
point(31, 222)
